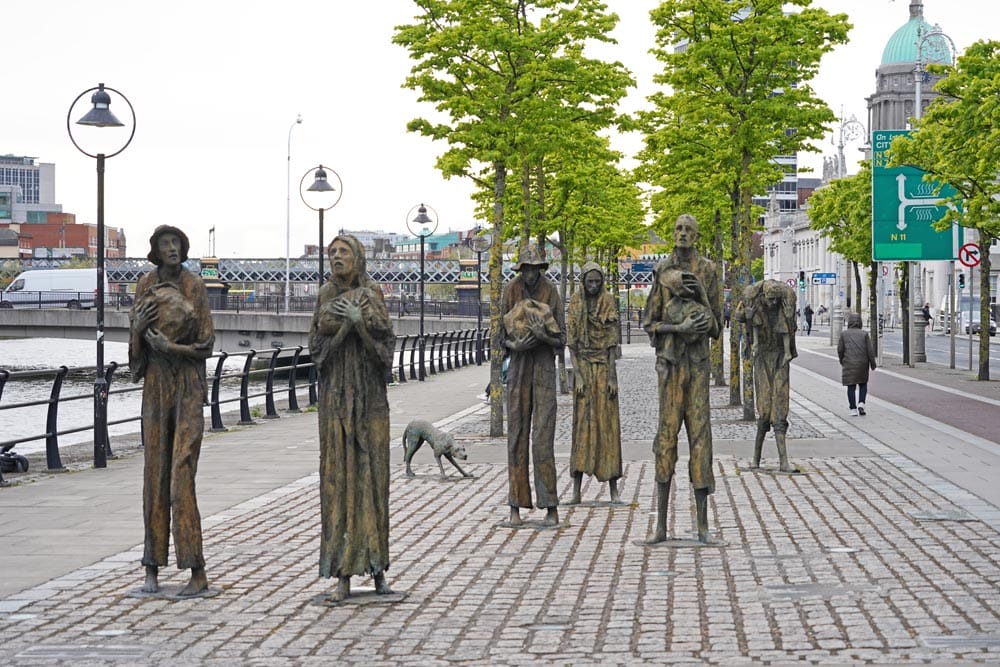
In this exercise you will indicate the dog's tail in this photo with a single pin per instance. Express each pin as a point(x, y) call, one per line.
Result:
point(406, 432)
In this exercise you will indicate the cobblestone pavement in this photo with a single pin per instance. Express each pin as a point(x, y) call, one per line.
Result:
point(855, 560)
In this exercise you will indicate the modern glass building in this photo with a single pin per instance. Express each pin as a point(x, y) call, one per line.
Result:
point(35, 181)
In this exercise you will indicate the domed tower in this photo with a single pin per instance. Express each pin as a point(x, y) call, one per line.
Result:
point(892, 105)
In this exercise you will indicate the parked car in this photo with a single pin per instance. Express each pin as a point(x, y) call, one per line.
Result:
point(976, 324)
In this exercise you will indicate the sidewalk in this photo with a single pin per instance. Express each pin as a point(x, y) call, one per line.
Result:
point(870, 555)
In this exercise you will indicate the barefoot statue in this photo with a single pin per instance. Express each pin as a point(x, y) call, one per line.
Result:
point(593, 335)
point(351, 342)
point(682, 313)
point(171, 336)
point(532, 329)
point(768, 308)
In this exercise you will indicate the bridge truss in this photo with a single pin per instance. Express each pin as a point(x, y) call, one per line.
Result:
point(391, 271)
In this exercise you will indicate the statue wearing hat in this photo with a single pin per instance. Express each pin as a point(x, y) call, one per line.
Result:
point(171, 336)
point(533, 329)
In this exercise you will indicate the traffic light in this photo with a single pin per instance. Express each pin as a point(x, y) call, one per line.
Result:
point(802, 281)
point(961, 281)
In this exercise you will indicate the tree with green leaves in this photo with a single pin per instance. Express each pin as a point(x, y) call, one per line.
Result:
point(506, 77)
point(739, 72)
point(957, 142)
point(842, 212)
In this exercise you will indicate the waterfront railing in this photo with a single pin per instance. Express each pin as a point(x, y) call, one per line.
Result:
point(261, 376)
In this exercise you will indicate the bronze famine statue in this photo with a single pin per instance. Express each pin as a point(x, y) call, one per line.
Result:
point(768, 308)
point(532, 329)
point(352, 341)
point(593, 336)
point(682, 313)
point(171, 336)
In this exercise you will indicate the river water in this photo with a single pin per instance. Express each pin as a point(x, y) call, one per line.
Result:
point(81, 355)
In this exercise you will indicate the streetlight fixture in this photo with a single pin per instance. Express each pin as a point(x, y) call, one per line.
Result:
point(288, 213)
point(100, 116)
point(326, 194)
point(480, 243)
point(421, 226)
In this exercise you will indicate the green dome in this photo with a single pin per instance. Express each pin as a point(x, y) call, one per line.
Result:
point(902, 46)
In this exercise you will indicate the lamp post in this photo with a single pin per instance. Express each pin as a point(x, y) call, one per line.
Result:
point(480, 243)
point(288, 213)
point(425, 227)
point(325, 193)
point(100, 116)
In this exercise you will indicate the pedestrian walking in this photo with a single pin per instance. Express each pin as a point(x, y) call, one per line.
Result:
point(857, 355)
point(808, 312)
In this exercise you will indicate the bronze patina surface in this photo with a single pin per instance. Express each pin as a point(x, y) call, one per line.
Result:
point(352, 341)
point(593, 337)
point(682, 313)
point(171, 336)
point(768, 308)
point(532, 334)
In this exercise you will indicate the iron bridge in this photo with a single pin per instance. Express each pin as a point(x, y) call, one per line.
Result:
point(393, 271)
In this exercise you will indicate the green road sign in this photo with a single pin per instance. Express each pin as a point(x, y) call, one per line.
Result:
point(904, 210)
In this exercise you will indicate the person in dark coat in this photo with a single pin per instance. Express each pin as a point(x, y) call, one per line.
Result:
point(857, 355)
point(808, 312)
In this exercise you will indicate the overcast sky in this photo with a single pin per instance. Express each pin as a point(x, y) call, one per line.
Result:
point(217, 85)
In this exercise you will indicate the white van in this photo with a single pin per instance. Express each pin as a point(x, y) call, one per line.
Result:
point(52, 288)
point(965, 304)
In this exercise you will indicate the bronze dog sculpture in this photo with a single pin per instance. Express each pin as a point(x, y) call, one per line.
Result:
point(418, 432)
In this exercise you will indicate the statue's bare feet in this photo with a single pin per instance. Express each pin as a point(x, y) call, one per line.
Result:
point(343, 589)
point(152, 583)
point(787, 467)
point(575, 500)
point(197, 584)
point(659, 535)
point(515, 517)
point(551, 517)
point(613, 488)
point(755, 464)
point(381, 587)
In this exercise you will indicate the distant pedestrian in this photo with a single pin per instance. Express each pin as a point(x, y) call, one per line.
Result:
point(727, 314)
point(926, 312)
point(857, 355)
point(808, 312)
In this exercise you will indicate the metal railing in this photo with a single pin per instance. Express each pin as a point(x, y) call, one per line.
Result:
point(259, 376)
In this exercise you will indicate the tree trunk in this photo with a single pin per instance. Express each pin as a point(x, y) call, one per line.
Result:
point(497, 351)
point(984, 306)
point(736, 331)
point(857, 286)
point(718, 345)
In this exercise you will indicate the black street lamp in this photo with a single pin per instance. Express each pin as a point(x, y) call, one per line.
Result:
point(328, 195)
point(100, 116)
point(480, 243)
point(425, 226)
